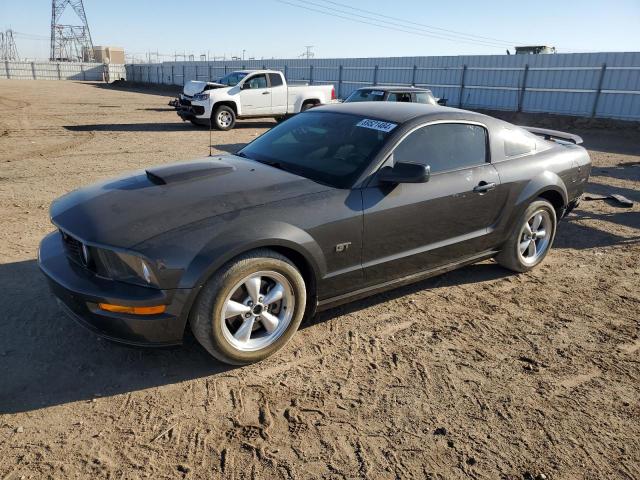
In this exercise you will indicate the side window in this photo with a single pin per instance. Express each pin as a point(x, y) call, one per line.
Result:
point(424, 97)
point(259, 81)
point(517, 142)
point(399, 97)
point(444, 146)
point(275, 79)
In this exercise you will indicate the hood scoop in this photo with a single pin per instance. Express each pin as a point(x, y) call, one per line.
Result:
point(183, 172)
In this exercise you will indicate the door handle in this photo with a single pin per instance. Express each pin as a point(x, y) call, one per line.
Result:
point(484, 187)
point(265, 93)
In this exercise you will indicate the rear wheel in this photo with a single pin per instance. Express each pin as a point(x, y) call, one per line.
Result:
point(224, 118)
point(531, 238)
point(250, 308)
point(307, 106)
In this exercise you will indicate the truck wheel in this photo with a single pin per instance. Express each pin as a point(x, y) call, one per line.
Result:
point(307, 106)
point(224, 118)
point(531, 238)
point(250, 308)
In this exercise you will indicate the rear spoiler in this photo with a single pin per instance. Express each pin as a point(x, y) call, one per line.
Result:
point(554, 135)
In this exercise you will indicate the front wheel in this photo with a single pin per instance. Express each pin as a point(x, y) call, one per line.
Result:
point(250, 308)
point(224, 118)
point(531, 238)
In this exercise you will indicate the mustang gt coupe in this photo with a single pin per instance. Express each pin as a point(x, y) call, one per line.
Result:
point(335, 204)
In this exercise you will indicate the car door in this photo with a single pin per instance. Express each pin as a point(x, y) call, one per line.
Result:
point(412, 227)
point(255, 96)
point(278, 94)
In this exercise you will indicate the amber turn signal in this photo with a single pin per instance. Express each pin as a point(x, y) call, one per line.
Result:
point(133, 310)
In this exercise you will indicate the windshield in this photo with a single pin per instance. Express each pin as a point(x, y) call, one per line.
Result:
point(327, 147)
point(366, 95)
point(232, 79)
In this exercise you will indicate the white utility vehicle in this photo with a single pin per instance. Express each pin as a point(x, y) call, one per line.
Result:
point(249, 94)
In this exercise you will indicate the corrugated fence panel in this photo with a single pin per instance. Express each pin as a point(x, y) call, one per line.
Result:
point(62, 71)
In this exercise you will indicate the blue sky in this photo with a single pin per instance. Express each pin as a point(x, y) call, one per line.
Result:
point(276, 28)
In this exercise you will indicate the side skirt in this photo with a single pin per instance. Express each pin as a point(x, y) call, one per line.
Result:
point(399, 282)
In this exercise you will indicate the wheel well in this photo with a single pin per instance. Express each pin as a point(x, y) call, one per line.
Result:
point(301, 263)
point(555, 199)
point(313, 101)
point(231, 105)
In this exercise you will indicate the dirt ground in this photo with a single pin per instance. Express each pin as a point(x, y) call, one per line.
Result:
point(479, 373)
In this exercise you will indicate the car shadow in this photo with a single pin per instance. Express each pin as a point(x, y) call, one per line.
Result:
point(157, 127)
point(229, 147)
point(46, 359)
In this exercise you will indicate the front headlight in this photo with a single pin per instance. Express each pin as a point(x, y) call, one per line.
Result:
point(123, 267)
point(201, 96)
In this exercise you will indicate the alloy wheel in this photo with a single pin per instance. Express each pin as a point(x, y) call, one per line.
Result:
point(257, 311)
point(535, 237)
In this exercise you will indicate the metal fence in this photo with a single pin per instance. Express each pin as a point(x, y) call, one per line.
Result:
point(61, 71)
point(583, 84)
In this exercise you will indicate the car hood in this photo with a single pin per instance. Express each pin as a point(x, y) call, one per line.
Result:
point(131, 209)
point(193, 87)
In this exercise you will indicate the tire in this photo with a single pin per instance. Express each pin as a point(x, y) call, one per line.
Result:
point(219, 314)
point(282, 118)
point(307, 106)
point(224, 118)
point(524, 250)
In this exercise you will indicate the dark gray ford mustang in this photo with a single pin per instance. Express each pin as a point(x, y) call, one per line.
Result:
point(334, 204)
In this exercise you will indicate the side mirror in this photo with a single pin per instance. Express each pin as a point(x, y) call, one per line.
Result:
point(245, 86)
point(405, 173)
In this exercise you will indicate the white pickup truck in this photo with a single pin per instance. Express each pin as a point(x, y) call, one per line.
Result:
point(249, 94)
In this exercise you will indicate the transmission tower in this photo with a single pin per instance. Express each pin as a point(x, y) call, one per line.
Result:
point(70, 43)
point(307, 53)
point(8, 49)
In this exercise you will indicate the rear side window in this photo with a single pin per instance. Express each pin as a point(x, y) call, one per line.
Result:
point(424, 97)
point(517, 143)
point(276, 79)
point(444, 146)
point(399, 97)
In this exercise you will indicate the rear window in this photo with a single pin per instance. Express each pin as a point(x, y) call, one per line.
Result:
point(327, 147)
point(366, 95)
point(518, 142)
point(276, 79)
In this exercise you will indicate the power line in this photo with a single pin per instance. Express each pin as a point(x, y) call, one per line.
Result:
point(453, 32)
point(419, 33)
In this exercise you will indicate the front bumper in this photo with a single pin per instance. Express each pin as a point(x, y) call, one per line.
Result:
point(79, 291)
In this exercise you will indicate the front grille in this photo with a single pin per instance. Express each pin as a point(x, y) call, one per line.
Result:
point(73, 248)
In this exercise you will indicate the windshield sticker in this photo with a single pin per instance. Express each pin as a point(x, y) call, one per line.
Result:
point(377, 92)
point(376, 125)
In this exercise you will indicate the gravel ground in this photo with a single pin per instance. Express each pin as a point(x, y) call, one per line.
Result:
point(479, 373)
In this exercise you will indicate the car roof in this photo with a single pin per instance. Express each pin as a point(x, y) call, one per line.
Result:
point(256, 71)
point(400, 112)
point(395, 88)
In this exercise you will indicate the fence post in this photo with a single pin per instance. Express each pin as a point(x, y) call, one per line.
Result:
point(173, 76)
point(33, 69)
point(310, 74)
point(184, 80)
point(60, 75)
point(286, 70)
point(375, 75)
point(462, 77)
point(599, 90)
point(225, 68)
point(340, 68)
point(84, 74)
point(210, 69)
point(523, 87)
point(6, 66)
point(413, 76)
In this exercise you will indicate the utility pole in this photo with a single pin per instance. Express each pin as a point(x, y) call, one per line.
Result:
point(307, 53)
point(70, 42)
